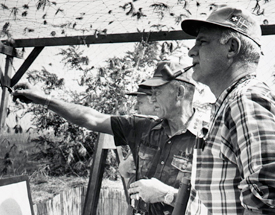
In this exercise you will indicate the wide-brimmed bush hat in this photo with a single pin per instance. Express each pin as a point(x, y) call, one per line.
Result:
point(167, 71)
point(142, 90)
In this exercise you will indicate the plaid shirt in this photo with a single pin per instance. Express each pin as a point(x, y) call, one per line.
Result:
point(234, 167)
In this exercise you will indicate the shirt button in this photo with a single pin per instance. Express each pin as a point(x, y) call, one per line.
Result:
point(162, 162)
point(169, 142)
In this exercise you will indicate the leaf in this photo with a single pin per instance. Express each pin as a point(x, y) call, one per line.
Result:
point(25, 13)
point(25, 6)
point(160, 6)
point(82, 151)
point(4, 7)
point(265, 22)
point(6, 26)
point(14, 12)
point(42, 4)
point(70, 156)
point(58, 10)
point(18, 129)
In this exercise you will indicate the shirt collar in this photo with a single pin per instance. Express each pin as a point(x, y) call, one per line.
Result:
point(193, 125)
point(227, 91)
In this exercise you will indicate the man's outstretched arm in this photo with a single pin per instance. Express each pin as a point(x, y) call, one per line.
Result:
point(77, 114)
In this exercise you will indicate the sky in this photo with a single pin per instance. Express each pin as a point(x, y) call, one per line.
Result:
point(97, 16)
point(29, 19)
point(99, 53)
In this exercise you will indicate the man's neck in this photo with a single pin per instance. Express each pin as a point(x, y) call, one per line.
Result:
point(230, 76)
point(179, 122)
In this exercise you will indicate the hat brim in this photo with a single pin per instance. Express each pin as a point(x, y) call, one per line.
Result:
point(192, 26)
point(154, 82)
point(136, 93)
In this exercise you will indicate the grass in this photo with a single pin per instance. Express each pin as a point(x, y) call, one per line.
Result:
point(46, 188)
point(43, 186)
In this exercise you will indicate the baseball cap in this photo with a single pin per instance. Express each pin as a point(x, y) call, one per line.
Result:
point(167, 71)
point(142, 90)
point(237, 19)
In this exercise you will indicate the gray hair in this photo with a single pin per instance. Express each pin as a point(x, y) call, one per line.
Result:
point(190, 88)
point(249, 50)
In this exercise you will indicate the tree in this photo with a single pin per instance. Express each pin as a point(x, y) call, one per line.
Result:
point(70, 148)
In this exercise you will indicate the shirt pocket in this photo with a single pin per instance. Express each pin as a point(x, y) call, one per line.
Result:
point(146, 156)
point(183, 166)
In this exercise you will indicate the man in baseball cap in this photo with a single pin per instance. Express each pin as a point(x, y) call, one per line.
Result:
point(237, 19)
point(232, 173)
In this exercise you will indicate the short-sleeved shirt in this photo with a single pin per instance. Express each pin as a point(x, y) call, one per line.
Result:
point(234, 167)
point(171, 156)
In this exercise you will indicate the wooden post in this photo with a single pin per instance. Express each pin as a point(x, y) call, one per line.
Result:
point(5, 93)
point(96, 175)
point(104, 143)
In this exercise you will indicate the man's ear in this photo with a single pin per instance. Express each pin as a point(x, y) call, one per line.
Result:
point(234, 47)
point(181, 91)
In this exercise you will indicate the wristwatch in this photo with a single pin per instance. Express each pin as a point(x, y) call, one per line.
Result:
point(169, 198)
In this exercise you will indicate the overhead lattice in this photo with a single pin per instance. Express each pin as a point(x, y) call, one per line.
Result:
point(59, 18)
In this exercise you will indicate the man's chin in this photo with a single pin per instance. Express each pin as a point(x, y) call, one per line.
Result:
point(196, 76)
point(158, 113)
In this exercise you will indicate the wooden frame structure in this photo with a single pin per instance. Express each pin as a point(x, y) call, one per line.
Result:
point(8, 80)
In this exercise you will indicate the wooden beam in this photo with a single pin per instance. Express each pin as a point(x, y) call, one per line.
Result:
point(5, 93)
point(268, 30)
point(115, 38)
point(101, 39)
point(21, 71)
point(10, 51)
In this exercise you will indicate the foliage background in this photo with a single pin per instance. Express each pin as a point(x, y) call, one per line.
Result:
point(92, 75)
point(61, 147)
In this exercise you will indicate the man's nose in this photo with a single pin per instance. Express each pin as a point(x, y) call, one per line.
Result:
point(193, 51)
point(153, 97)
point(136, 107)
